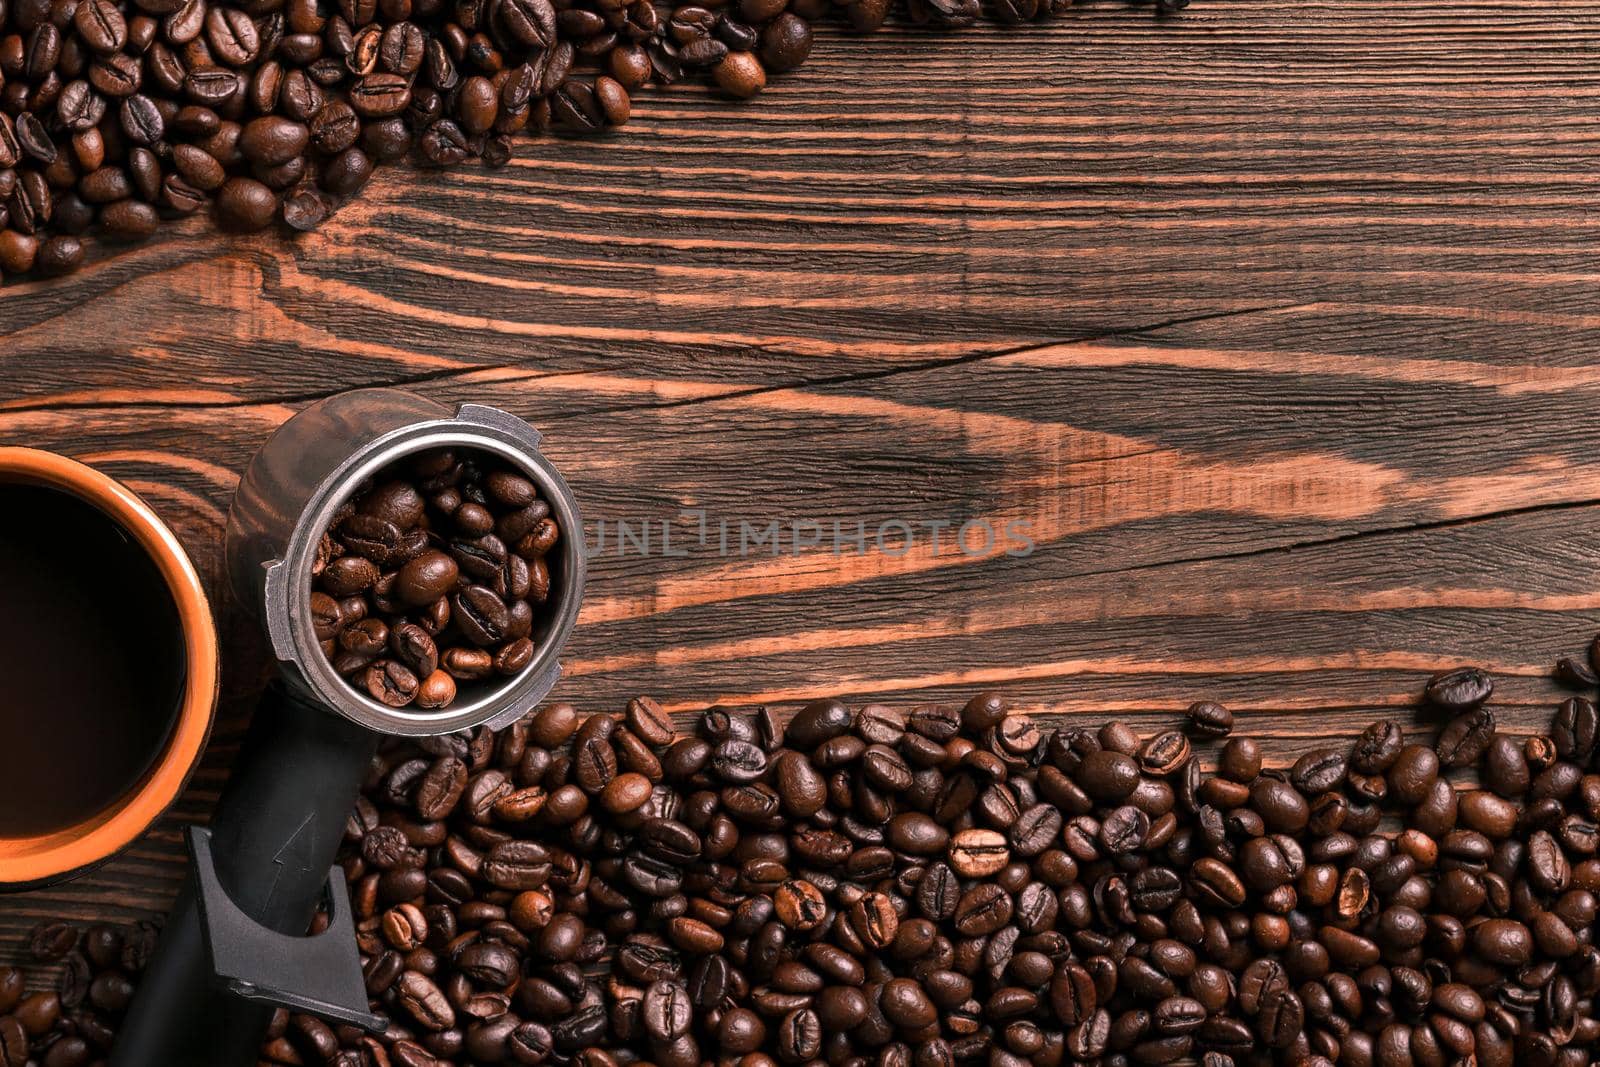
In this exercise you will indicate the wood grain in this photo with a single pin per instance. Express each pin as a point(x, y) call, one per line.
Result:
point(1273, 323)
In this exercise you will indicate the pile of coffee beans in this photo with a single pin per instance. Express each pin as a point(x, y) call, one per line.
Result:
point(115, 114)
point(74, 1023)
point(431, 576)
point(877, 887)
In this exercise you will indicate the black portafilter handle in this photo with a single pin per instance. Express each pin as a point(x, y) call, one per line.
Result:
point(234, 946)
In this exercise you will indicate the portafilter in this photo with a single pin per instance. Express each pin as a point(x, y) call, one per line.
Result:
point(235, 946)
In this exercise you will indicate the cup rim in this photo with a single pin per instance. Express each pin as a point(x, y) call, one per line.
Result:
point(30, 862)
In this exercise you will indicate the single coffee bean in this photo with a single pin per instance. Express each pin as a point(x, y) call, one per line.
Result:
point(142, 120)
point(1463, 742)
point(1164, 753)
point(59, 255)
point(650, 722)
point(1377, 748)
point(1576, 729)
point(246, 205)
point(1505, 942)
point(1576, 672)
point(1413, 773)
point(1459, 690)
point(1108, 776)
point(1319, 771)
point(667, 1010)
point(52, 941)
point(467, 664)
point(905, 1004)
point(437, 690)
point(978, 853)
point(424, 1002)
point(481, 615)
point(391, 683)
point(347, 172)
point(785, 43)
point(129, 220)
point(272, 139)
point(101, 25)
point(1210, 719)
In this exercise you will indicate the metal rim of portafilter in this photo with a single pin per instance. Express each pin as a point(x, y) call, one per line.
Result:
point(270, 563)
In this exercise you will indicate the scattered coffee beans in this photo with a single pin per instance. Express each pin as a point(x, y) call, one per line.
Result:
point(121, 112)
point(882, 888)
point(430, 578)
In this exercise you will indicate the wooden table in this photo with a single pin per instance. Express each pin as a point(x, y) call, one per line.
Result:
point(1273, 325)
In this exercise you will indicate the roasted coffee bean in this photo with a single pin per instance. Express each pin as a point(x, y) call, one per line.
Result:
point(1413, 774)
point(305, 207)
point(1108, 776)
point(982, 910)
point(1216, 881)
point(1124, 830)
point(58, 255)
point(101, 25)
point(52, 941)
point(978, 853)
point(481, 615)
point(1463, 742)
point(1319, 771)
point(736, 72)
point(649, 722)
point(380, 95)
point(1279, 1020)
point(1164, 753)
point(1576, 729)
point(667, 1010)
point(10, 148)
point(739, 761)
point(1210, 719)
point(334, 128)
point(34, 139)
point(437, 690)
point(424, 1002)
point(1459, 690)
point(1377, 748)
point(530, 23)
point(346, 172)
point(1576, 672)
point(1280, 805)
point(13, 1042)
point(1074, 997)
point(1504, 942)
point(247, 205)
point(441, 788)
point(391, 683)
point(271, 140)
point(785, 43)
point(799, 905)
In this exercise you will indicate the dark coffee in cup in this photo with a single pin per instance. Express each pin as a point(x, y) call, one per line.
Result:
point(92, 661)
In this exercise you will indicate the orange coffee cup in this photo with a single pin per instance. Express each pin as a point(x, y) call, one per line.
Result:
point(56, 852)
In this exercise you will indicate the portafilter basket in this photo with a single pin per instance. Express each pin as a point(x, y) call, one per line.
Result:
point(234, 947)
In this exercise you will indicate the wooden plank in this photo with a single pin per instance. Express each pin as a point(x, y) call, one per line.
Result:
point(1118, 172)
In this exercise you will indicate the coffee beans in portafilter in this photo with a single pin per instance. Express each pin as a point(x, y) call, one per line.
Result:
point(940, 885)
point(116, 114)
point(431, 578)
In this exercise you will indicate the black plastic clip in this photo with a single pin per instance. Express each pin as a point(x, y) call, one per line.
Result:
point(319, 975)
